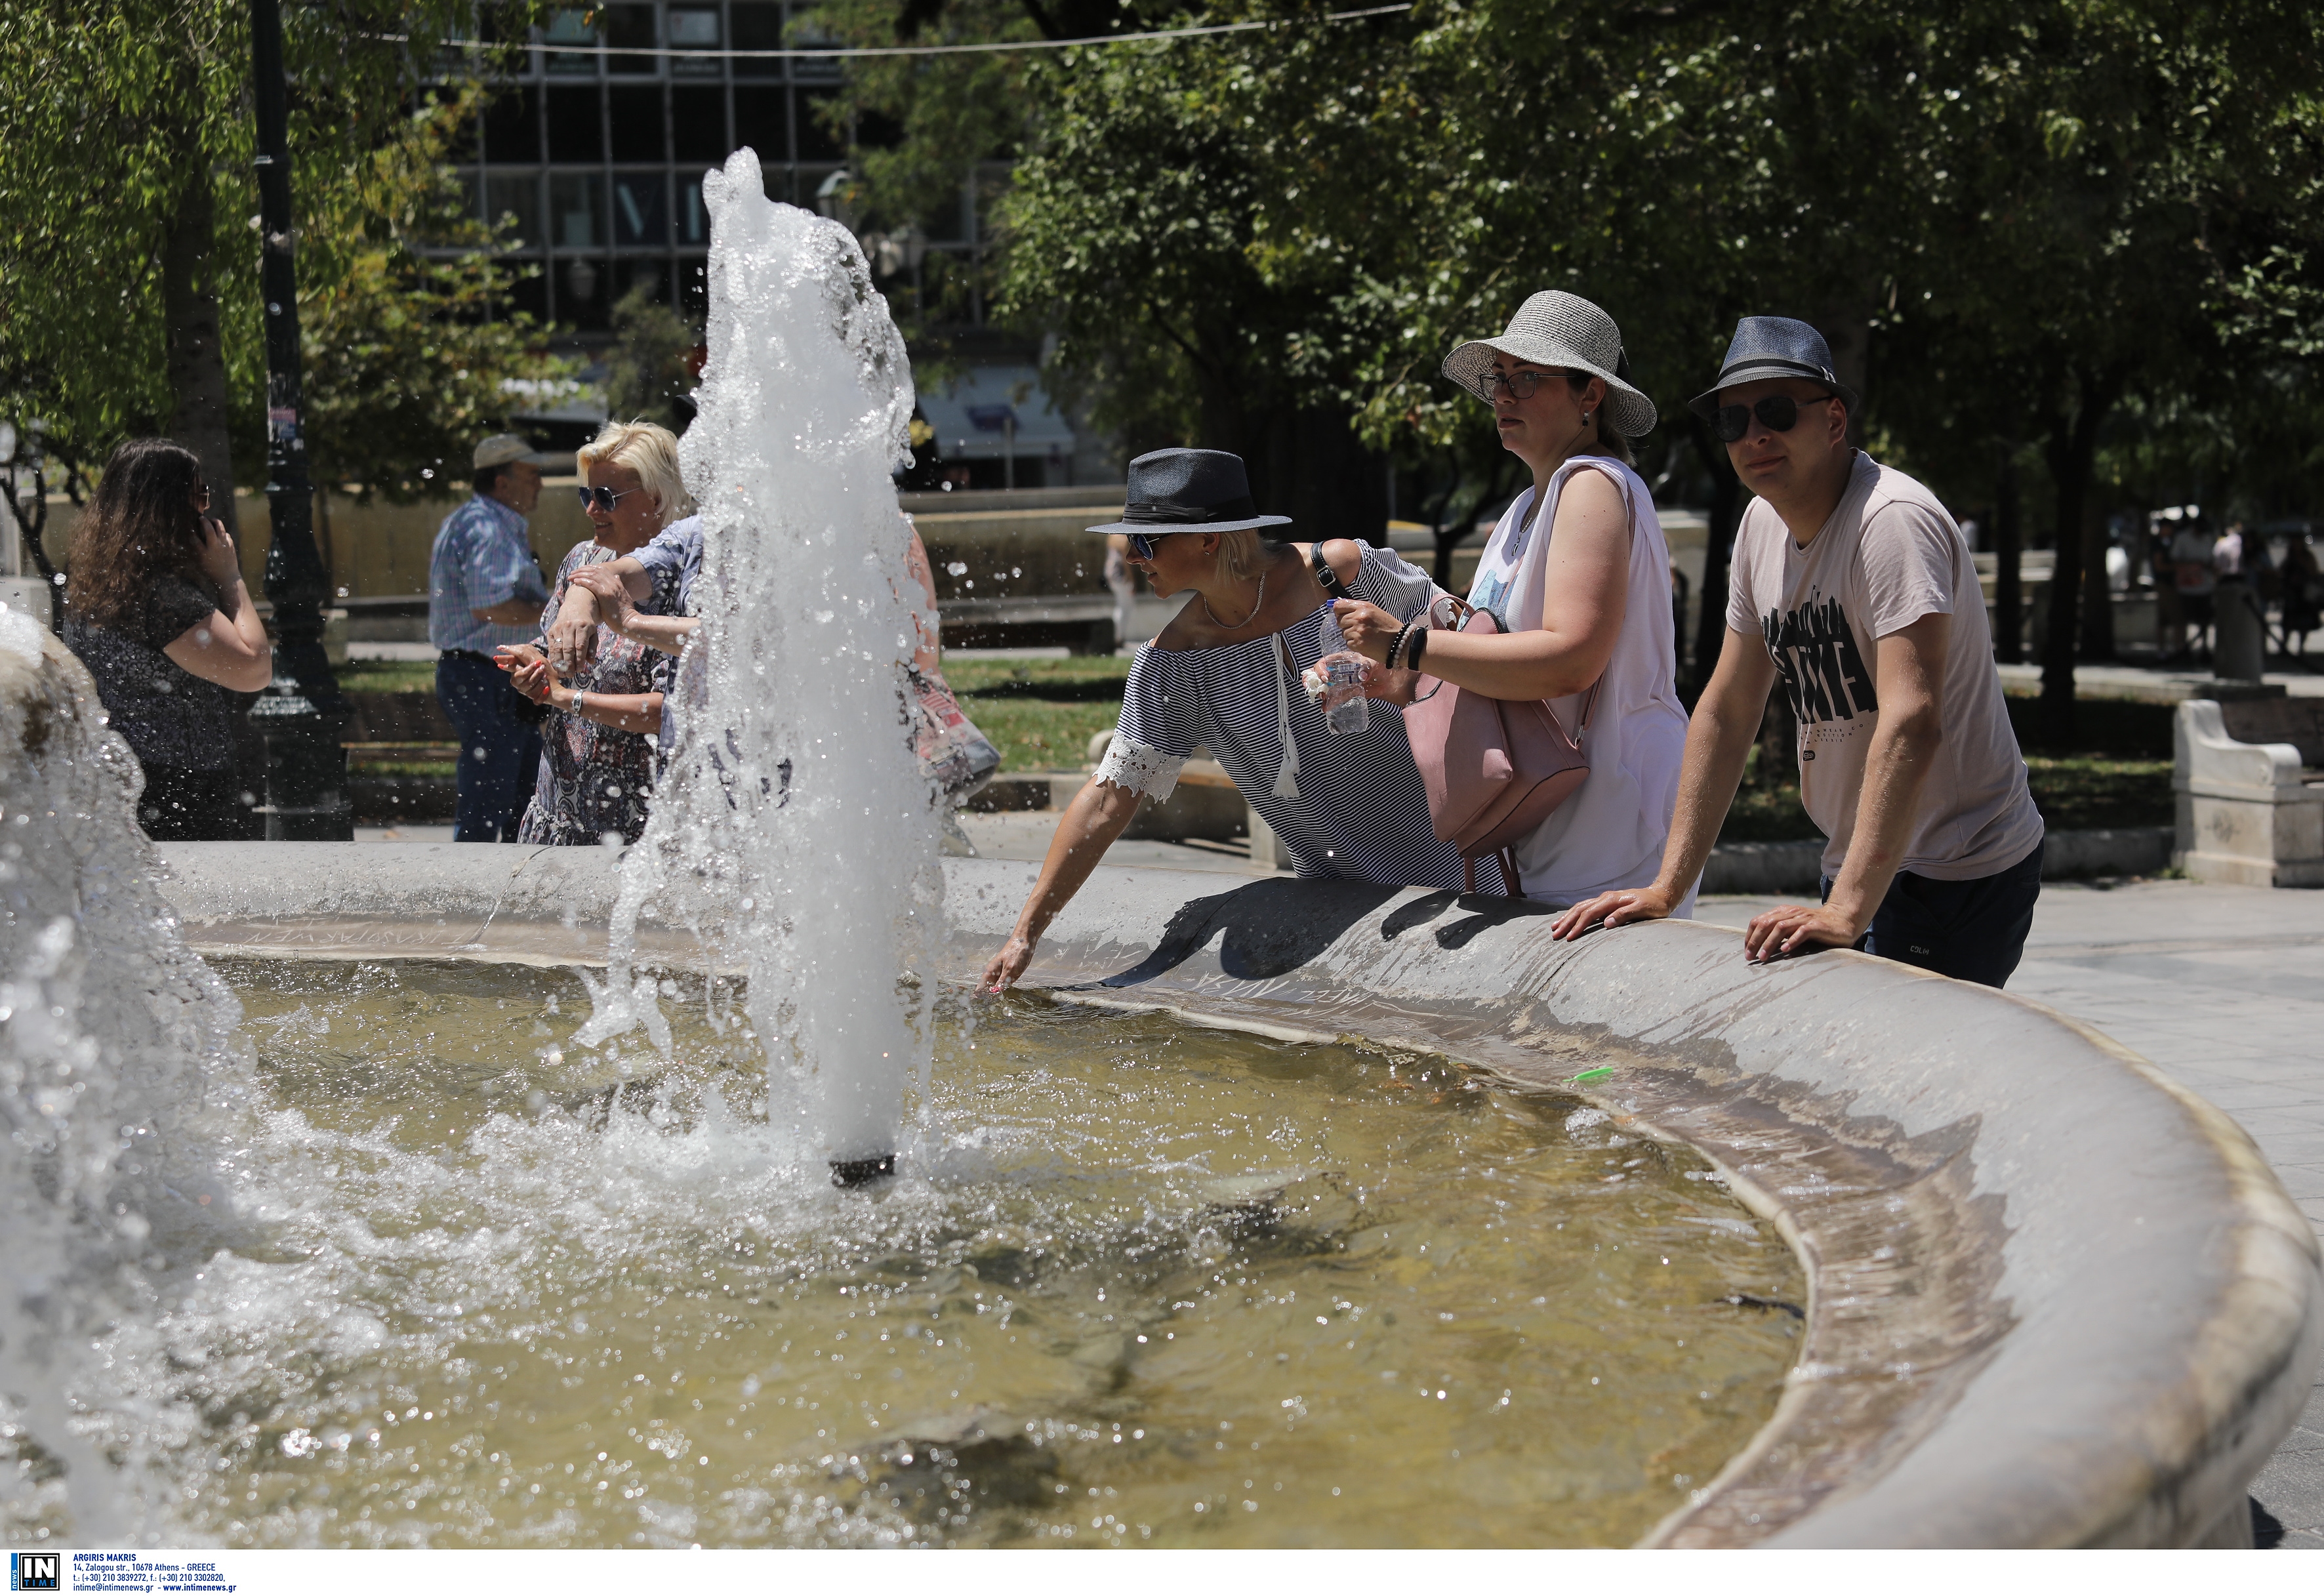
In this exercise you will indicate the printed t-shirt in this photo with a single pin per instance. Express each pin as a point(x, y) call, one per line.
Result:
point(1888, 556)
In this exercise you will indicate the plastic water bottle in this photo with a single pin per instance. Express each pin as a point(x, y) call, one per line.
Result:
point(1345, 707)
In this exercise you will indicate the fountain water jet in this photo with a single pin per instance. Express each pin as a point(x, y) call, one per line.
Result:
point(117, 1055)
point(793, 827)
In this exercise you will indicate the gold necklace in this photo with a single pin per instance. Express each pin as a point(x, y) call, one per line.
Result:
point(1247, 620)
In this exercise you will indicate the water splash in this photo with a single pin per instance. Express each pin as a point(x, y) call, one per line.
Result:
point(794, 827)
point(119, 1067)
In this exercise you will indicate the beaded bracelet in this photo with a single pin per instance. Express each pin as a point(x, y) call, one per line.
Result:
point(1403, 632)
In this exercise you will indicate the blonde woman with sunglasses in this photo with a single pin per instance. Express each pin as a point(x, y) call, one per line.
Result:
point(598, 758)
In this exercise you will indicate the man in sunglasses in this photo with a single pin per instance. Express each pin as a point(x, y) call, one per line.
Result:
point(485, 588)
point(1853, 587)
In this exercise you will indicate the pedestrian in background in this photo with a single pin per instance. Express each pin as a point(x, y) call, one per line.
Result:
point(156, 609)
point(485, 590)
point(2303, 586)
point(2193, 576)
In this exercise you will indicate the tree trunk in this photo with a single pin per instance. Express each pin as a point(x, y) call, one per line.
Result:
point(196, 356)
point(2072, 445)
point(1447, 532)
point(2008, 540)
point(1726, 514)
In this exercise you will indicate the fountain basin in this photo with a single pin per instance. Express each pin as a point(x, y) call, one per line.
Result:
point(2054, 1300)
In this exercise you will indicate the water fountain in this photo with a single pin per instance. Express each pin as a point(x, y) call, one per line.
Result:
point(794, 829)
point(1304, 1213)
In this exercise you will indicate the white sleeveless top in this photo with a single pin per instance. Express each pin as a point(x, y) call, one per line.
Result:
point(1609, 834)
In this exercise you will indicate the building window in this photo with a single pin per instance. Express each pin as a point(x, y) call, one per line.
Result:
point(693, 216)
point(758, 26)
point(576, 203)
point(693, 27)
point(577, 126)
point(569, 25)
point(634, 121)
point(518, 197)
point(697, 122)
point(762, 123)
point(603, 178)
point(641, 219)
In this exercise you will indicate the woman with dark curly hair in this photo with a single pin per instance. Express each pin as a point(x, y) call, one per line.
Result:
point(155, 608)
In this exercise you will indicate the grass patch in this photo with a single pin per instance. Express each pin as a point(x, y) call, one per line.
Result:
point(2123, 728)
point(1040, 714)
point(444, 770)
point(387, 676)
point(2074, 791)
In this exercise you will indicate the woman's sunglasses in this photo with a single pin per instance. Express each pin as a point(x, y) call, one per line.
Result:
point(1778, 412)
point(1144, 544)
point(605, 499)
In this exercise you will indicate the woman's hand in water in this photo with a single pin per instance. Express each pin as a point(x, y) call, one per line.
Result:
point(1009, 964)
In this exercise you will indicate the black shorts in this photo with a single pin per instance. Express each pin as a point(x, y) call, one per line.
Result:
point(1973, 930)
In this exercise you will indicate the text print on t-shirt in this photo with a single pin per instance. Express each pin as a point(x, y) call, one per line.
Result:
point(1824, 672)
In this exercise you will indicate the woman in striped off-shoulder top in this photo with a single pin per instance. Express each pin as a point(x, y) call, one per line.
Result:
point(1226, 675)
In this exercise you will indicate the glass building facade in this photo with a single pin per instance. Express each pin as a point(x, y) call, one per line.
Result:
point(597, 150)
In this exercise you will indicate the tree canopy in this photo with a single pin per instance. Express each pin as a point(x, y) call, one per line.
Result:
point(2020, 224)
point(128, 260)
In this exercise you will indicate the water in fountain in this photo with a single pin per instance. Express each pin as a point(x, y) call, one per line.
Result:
point(793, 827)
point(118, 1069)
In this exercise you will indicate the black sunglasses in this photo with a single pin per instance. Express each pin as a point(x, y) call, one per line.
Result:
point(1143, 544)
point(1778, 412)
point(1521, 384)
point(605, 499)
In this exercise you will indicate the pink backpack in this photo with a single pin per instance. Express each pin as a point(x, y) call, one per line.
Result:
point(1494, 768)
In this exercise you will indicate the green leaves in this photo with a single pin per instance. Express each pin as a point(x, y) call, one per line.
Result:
point(121, 118)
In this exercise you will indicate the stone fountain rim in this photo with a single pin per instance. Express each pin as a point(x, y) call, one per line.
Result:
point(2028, 1177)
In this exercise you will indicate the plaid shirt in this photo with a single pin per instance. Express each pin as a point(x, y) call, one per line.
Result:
point(481, 558)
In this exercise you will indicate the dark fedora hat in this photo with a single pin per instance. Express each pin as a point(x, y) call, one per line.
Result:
point(1773, 346)
point(1189, 490)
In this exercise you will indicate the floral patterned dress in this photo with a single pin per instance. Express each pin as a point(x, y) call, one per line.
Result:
point(595, 781)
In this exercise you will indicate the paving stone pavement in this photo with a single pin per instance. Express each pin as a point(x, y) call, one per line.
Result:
point(2223, 987)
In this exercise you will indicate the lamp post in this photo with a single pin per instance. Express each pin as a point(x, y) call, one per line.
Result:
point(301, 712)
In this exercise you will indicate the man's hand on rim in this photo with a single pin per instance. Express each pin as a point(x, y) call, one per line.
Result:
point(1798, 927)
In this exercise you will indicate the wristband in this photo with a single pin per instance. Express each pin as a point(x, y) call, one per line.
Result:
point(1387, 660)
point(1414, 649)
point(580, 701)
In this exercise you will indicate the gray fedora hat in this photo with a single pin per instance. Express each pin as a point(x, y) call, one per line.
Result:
point(1773, 346)
point(1189, 490)
point(1555, 328)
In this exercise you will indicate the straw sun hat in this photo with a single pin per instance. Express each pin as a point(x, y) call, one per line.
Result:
point(1565, 330)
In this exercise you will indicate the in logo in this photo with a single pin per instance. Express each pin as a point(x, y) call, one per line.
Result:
point(36, 1571)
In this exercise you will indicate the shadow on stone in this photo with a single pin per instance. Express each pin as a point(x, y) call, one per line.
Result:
point(1265, 930)
point(2267, 1529)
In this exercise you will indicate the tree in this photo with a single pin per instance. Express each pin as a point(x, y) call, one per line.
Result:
point(408, 356)
point(649, 369)
point(128, 270)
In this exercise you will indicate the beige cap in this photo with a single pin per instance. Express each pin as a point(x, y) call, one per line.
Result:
point(507, 448)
